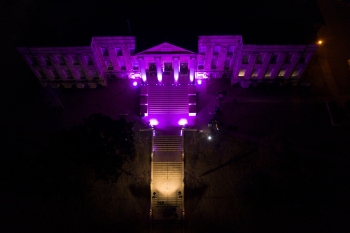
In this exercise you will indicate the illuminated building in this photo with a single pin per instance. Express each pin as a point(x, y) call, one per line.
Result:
point(217, 57)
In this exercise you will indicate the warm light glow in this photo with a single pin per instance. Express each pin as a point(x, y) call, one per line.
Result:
point(199, 82)
point(167, 186)
point(320, 42)
point(134, 83)
point(182, 121)
point(241, 73)
point(153, 122)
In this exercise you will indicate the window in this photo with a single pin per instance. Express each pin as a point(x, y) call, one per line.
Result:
point(282, 73)
point(200, 64)
point(202, 50)
point(268, 73)
point(227, 64)
point(152, 67)
point(273, 59)
point(287, 59)
point(104, 51)
point(132, 51)
point(259, 59)
point(241, 73)
point(216, 50)
point(118, 51)
point(32, 61)
point(295, 73)
point(47, 61)
point(61, 60)
point(109, 65)
point(245, 59)
point(81, 74)
point(255, 73)
point(55, 74)
point(41, 74)
point(68, 74)
point(168, 66)
point(135, 65)
point(183, 67)
point(122, 65)
point(75, 60)
point(230, 50)
point(89, 61)
point(214, 63)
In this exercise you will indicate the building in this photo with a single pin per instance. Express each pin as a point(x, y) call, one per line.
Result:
point(217, 57)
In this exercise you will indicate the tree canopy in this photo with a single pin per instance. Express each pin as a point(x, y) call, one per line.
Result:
point(102, 144)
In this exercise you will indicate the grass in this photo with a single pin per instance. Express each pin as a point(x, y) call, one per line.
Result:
point(237, 186)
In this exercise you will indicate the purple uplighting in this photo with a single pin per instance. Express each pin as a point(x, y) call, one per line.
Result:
point(182, 121)
point(153, 122)
point(134, 83)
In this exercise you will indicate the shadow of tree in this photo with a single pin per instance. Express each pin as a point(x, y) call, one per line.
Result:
point(231, 161)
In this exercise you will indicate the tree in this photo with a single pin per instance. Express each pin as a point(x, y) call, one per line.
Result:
point(102, 144)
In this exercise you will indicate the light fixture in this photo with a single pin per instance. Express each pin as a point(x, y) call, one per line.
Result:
point(209, 137)
point(134, 83)
point(183, 121)
point(153, 122)
point(320, 42)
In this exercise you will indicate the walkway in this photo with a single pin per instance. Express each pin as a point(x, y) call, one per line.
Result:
point(166, 106)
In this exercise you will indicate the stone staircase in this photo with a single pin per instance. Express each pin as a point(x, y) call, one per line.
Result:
point(168, 170)
point(167, 143)
point(168, 99)
point(170, 200)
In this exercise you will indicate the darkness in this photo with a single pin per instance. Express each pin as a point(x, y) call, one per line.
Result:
point(67, 23)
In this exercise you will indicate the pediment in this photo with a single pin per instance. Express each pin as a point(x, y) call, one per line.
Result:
point(166, 48)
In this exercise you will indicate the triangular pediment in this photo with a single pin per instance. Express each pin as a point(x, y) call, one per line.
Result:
point(166, 48)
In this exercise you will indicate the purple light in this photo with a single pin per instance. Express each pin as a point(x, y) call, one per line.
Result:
point(153, 121)
point(182, 121)
point(134, 83)
point(199, 82)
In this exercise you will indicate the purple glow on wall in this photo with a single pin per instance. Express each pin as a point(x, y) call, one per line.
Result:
point(153, 121)
point(159, 69)
point(134, 83)
point(183, 121)
point(192, 64)
point(176, 66)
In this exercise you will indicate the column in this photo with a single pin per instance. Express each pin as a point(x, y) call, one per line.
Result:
point(142, 69)
point(176, 69)
point(159, 69)
point(192, 65)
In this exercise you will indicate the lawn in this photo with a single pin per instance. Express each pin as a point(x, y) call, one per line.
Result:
point(237, 186)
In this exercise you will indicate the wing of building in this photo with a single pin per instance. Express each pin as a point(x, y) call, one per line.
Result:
point(217, 57)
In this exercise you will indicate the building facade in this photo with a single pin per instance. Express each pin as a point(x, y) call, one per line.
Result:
point(217, 57)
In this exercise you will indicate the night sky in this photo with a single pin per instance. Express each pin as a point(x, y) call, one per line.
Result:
point(67, 23)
